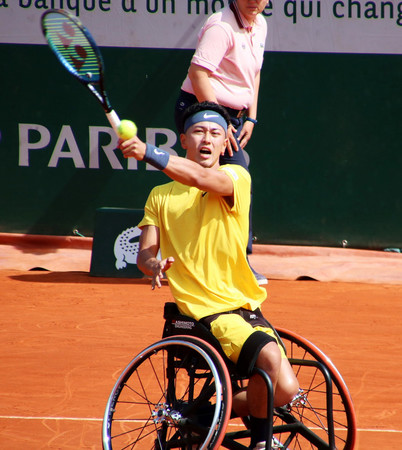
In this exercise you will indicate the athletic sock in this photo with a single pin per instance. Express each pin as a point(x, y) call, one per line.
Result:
point(259, 430)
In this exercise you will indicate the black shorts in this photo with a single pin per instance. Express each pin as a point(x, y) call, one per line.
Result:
point(242, 334)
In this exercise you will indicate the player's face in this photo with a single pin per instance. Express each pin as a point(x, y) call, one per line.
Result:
point(204, 142)
point(250, 8)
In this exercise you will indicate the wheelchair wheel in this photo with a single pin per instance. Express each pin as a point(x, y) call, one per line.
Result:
point(322, 416)
point(176, 394)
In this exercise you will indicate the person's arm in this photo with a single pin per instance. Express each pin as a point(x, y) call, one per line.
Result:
point(205, 179)
point(184, 170)
point(147, 261)
point(199, 77)
point(248, 126)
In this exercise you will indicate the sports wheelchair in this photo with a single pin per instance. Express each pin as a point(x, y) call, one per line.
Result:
point(177, 394)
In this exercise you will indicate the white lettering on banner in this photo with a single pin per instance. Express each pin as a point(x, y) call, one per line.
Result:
point(132, 164)
point(109, 149)
point(24, 130)
point(67, 137)
point(38, 137)
point(151, 137)
point(340, 26)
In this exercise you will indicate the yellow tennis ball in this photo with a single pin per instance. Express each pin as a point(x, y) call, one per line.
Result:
point(127, 129)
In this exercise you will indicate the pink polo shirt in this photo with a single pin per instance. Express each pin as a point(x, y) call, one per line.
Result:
point(233, 54)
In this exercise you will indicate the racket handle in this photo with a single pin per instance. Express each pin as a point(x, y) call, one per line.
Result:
point(114, 120)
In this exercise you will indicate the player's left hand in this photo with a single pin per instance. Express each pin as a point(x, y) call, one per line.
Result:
point(158, 270)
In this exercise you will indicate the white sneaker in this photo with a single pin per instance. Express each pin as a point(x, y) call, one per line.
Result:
point(276, 444)
point(261, 280)
point(260, 445)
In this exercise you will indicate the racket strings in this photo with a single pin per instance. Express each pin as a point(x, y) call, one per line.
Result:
point(72, 47)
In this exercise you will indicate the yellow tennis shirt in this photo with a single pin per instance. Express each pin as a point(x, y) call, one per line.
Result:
point(208, 240)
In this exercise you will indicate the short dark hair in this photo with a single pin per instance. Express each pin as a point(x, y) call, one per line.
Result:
point(203, 106)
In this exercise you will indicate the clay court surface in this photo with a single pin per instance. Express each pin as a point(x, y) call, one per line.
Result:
point(66, 336)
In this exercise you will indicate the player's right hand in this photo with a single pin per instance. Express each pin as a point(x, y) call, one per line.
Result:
point(133, 148)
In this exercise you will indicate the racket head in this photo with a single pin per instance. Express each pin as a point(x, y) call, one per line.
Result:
point(73, 45)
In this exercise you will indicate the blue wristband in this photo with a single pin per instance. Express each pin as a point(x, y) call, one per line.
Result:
point(254, 121)
point(156, 157)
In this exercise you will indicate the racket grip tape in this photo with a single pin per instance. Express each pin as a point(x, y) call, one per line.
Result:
point(114, 120)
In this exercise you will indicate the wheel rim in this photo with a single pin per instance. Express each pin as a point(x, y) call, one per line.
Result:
point(169, 396)
point(310, 406)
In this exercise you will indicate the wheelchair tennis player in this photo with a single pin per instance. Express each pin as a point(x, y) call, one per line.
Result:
point(199, 221)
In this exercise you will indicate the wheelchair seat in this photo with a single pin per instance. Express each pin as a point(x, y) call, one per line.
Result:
point(180, 324)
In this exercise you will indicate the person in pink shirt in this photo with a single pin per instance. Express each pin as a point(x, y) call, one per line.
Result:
point(225, 69)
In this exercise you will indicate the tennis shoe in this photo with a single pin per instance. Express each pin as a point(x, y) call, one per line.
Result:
point(260, 446)
point(261, 280)
point(275, 445)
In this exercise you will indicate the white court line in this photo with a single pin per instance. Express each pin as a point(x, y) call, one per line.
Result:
point(94, 419)
point(84, 419)
point(376, 430)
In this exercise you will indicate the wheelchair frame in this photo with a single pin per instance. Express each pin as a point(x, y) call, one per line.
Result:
point(177, 394)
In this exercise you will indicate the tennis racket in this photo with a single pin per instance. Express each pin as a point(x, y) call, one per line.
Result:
point(77, 51)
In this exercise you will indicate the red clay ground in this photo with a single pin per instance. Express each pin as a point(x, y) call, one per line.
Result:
point(66, 336)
